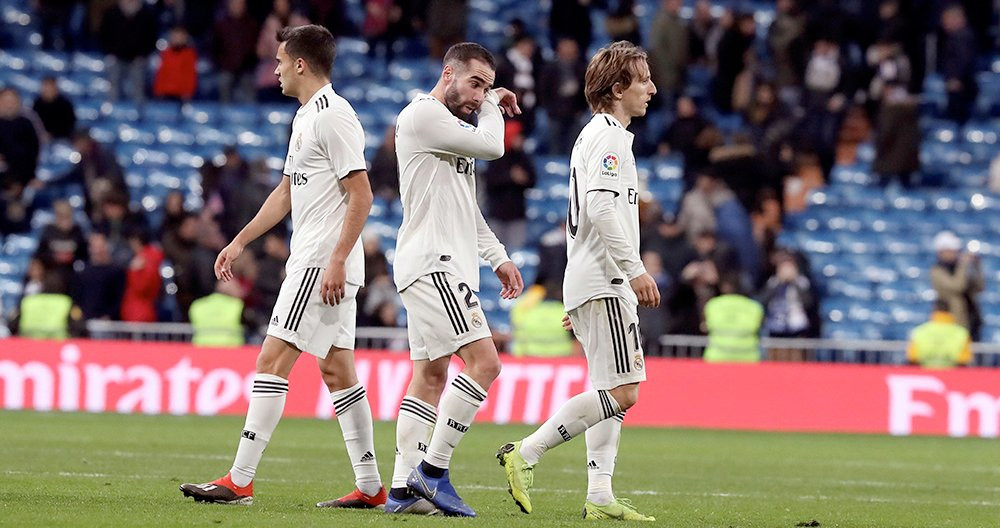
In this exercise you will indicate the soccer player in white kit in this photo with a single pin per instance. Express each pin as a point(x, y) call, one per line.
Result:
point(325, 187)
point(436, 270)
point(605, 280)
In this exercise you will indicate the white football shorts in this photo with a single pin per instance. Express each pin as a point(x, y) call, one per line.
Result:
point(301, 318)
point(608, 328)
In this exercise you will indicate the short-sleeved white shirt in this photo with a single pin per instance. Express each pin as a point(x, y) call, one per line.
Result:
point(602, 161)
point(326, 145)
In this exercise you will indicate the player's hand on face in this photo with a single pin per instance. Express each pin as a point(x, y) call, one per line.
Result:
point(567, 324)
point(510, 278)
point(334, 283)
point(508, 101)
point(646, 291)
point(224, 262)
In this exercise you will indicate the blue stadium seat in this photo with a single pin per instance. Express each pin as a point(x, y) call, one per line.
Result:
point(245, 116)
point(19, 245)
point(201, 112)
point(138, 133)
point(161, 112)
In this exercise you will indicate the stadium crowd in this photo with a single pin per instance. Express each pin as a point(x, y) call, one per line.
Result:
point(786, 103)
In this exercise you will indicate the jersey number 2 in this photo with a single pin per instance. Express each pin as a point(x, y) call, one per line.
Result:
point(469, 303)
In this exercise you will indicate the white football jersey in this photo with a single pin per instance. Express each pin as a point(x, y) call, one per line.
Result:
point(327, 144)
point(602, 160)
point(443, 228)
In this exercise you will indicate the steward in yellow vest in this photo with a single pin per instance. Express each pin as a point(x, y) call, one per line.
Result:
point(536, 322)
point(733, 323)
point(940, 343)
point(45, 316)
point(217, 320)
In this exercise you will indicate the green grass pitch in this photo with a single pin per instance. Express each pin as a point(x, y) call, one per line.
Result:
point(117, 470)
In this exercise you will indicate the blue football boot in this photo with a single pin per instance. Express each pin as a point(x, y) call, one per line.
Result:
point(439, 491)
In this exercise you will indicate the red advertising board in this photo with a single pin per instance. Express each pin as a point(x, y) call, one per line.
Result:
point(153, 378)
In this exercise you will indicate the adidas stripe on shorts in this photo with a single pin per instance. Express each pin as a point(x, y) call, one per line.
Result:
point(301, 318)
point(443, 314)
point(608, 328)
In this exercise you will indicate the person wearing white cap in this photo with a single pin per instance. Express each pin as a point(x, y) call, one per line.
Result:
point(957, 278)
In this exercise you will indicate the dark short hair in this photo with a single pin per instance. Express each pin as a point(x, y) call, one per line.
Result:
point(313, 44)
point(463, 52)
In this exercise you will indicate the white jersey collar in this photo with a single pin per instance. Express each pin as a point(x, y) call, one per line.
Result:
point(326, 89)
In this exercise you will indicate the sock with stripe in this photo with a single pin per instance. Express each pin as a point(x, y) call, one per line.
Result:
point(354, 415)
point(602, 450)
point(413, 432)
point(458, 407)
point(578, 414)
point(267, 401)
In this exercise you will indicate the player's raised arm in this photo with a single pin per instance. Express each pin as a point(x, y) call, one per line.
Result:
point(274, 210)
point(442, 132)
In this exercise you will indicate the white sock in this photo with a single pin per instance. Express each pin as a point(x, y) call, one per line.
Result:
point(355, 417)
point(413, 432)
point(602, 450)
point(267, 401)
point(574, 417)
point(458, 407)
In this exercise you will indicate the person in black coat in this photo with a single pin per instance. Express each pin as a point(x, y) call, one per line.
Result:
point(958, 63)
point(507, 179)
point(19, 144)
point(55, 110)
point(97, 288)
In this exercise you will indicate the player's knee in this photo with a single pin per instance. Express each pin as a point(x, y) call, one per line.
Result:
point(333, 379)
point(434, 380)
point(626, 395)
point(484, 371)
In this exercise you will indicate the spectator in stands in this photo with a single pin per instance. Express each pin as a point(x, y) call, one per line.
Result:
point(507, 179)
point(62, 242)
point(34, 277)
point(177, 77)
point(116, 222)
point(786, 40)
point(735, 43)
point(770, 122)
point(234, 41)
point(957, 278)
point(552, 258)
point(19, 143)
point(958, 63)
point(681, 134)
point(15, 212)
point(668, 50)
point(179, 243)
point(940, 342)
point(897, 136)
point(230, 173)
point(128, 36)
point(56, 21)
point(282, 15)
point(622, 23)
point(54, 110)
point(142, 279)
point(571, 19)
point(824, 101)
point(173, 213)
point(733, 323)
point(446, 23)
point(98, 171)
point(699, 28)
point(891, 68)
point(384, 174)
point(742, 169)
point(517, 70)
point(99, 285)
point(270, 274)
point(788, 299)
point(561, 93)
point(379, 301)
point(666, 237)
point(381, 28)
point(210, 241)
point(655, 321)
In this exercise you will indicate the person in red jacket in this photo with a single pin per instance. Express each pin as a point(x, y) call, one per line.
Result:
point(177, 77)
point(142, 280)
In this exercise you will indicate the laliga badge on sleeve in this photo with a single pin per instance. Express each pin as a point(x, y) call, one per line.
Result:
point(610, 166)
